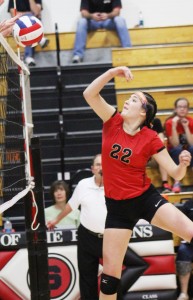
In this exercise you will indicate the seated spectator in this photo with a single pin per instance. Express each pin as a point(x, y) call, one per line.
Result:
point(96, 15)
point(166, 188)
point(179, 130)
point(32, 7)
point(60, 192)
point(184, 257)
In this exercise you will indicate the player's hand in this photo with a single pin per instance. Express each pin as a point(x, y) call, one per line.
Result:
point(7, 25)
point(123, 72)
point(51, 224)
point(185, 158)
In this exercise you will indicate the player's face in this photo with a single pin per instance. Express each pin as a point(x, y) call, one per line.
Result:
point(97, 166)
point(60, 195)
point(134, 105)
point(182, 108)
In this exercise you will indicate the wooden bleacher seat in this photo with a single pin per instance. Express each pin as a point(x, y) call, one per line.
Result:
point(155, 55)
point(165, 97)
point(139, 36)
point(157, 77)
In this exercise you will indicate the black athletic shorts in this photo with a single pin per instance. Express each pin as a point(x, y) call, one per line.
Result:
point(126, 213)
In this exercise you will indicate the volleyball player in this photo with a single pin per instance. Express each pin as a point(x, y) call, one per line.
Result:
point(128, 142)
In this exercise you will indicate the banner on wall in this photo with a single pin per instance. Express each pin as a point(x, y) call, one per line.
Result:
point(148, 268)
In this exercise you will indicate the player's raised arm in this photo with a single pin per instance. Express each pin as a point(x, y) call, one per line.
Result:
point(92, 92)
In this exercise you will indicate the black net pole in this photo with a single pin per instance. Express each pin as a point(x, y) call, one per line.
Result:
point(60, 105)
point(37, 239)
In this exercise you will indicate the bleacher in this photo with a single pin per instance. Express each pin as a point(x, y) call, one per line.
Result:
point(161, 61)
point(166, 71)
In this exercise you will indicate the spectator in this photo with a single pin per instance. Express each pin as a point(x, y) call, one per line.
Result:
point(89, 194)
point(30, 7)
point(7, 25)
point(184, 257)
point(179, 130)
point(166, 187)
point(59, 192)
point(96, 15)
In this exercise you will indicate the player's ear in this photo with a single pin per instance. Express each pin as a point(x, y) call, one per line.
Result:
point(143, 113)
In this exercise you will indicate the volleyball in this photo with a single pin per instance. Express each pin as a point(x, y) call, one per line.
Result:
point(28, 31)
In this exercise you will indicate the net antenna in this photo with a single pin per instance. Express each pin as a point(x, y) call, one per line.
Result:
point(15, 13)
point(14, 78)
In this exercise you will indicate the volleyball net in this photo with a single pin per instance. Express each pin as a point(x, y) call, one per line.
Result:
point(16, 128)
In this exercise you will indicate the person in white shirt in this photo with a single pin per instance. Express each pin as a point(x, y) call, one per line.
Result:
point(89, 195)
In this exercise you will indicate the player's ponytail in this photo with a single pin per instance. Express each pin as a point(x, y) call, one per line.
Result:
point(151, 110)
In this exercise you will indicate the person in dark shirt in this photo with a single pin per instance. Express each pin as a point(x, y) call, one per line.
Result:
point(97, 14)
point(157, 126)
point(30, 7)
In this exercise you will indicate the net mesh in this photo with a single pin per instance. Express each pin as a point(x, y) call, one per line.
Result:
point(15, 127)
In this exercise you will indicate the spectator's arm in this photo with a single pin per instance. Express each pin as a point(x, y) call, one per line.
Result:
point(35, 8)
point(189, 135)
point(86, 14)
point(95, 16)
point(1, 2)
point(51, 224)
point(162, 137)
point(174, 138)
point(114, 13)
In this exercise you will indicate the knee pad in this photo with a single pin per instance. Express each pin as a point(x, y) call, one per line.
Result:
point(109, 284)
point(183, 267)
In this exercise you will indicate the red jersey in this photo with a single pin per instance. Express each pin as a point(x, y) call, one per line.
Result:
point(180, 131)
point(124, 159)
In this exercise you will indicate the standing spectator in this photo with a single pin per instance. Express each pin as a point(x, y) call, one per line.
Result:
point(97, 14)
point(60, 192)
point(30, 7)
point(128, 142)
point(89, 195)
point(184, 257)
point(179, 130)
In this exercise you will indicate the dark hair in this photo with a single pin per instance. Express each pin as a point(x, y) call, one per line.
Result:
point(151, 110)
point(57, 185)
point(93, 160)
point(181, 98)
point(175, 105)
